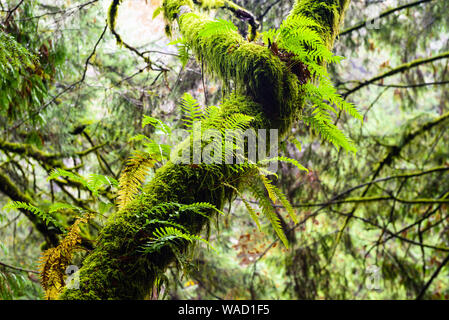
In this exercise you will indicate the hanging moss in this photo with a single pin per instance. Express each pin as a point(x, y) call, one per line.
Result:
point(256, 72)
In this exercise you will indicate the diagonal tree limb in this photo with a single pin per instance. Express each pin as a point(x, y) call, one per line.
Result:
point(117, 268)
point(398, 69)
point(433, 277)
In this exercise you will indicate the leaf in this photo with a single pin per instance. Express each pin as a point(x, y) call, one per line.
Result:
point(59, 206)
point(250, 209)
point(132, 177)
point(285, 159)
point(156, 12)
point(191, 109)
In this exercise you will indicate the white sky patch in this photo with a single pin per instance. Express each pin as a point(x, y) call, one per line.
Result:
point(136, 25)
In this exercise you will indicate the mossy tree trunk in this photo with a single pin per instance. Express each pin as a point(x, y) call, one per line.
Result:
point(266, 90)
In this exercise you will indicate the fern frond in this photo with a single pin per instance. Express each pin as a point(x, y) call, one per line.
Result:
point(300, 36)
point(156, 123)
point(250, 209)
point(166, 209)
point(269, 187)
point(270, 36)
point(217, 26)
point(199, 206)
point(54, 261)
point(284, 159)
point(57, 173)
point(46, 217)
point(268, 211)
point(276, 194)
point(236, 121)
point(192, 110)
point(287, 205)
point(60, 206)
point(132, 177)
point(183, 50)
point(329, 131)
point(158, 151)
point(162, 222)
point(93, 183)
point(14, 56)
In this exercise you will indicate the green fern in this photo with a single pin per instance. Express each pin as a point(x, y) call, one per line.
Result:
point(237, 121)
point(165, 209)
point(13, 55)
point(284, 201)
point(60, 206)
point(321, 123)
point(284, 159)
point(198, 208)
point(156, 123)
point(268, 211)
point(133, 176)
point(93, 183)
point(248, 206)
point(191, 109)
point(46, 217)
point(276, 194)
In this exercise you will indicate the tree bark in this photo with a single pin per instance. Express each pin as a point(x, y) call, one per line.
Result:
point(265, 90)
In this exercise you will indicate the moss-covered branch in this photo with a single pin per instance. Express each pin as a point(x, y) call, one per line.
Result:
point(265, 89)
point(29, 150)
point(7, 187)
point(239, 13)
point(375, 199)
point(383, 14)
point(401, 68)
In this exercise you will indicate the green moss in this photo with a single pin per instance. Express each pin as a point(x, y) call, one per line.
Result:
point(255, 71)
point(171, 11)
point(264, 89)
point(328, 14)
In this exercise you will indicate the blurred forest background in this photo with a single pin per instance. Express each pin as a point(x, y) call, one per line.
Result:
point(372, 225)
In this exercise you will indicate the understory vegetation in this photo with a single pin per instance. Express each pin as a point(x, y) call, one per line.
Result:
point(115, 181)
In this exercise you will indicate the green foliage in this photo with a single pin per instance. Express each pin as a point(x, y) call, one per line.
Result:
point(17, 285)
point(298, 36)
point(94, 182)
point(216, 27)
point(61, 206)
point(156, 123)
point(183, 50)
point(28, 62)
point(170, 236)
point(46, 217)
point(286, 160)
point(13, 56)
point(248, 206)
point(268, 210)
point(192, 110)
point(132, 177)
